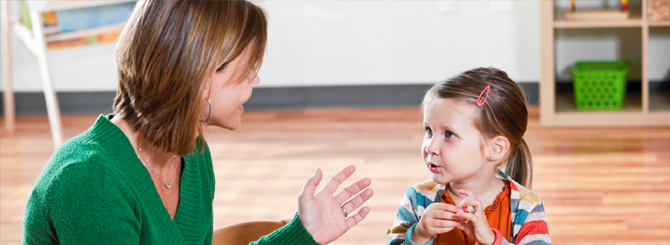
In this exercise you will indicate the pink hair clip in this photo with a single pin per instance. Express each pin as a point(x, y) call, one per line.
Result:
point(480, 101)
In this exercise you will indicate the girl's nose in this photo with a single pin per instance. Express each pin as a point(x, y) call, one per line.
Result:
point(433, 147)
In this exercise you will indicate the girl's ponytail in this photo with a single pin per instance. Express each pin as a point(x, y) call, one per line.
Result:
point(519, 167)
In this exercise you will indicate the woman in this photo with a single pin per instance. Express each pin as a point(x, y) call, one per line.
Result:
point(144, 174)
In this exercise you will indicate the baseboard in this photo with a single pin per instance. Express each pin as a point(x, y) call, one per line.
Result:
point(632, 87)
point(69, 103)
point(285, 98)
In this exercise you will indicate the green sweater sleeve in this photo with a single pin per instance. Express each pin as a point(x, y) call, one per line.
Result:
point(209, 238)
point(292, 233)
point(88, 205)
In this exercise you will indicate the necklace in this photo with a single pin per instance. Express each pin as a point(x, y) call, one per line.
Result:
point(174, 161)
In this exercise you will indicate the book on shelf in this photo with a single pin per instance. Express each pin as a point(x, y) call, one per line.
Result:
point(82, 26)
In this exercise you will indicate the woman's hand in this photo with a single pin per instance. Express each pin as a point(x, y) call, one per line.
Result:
point(323, 214)
point(476, 226)
point(438, 218)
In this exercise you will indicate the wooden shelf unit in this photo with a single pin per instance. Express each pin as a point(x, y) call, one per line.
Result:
point(559, 110)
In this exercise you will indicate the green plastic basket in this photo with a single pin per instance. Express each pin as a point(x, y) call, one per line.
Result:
point(599, 85)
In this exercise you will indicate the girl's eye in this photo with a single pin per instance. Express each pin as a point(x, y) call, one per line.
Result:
point(429, 132)
point(449, 135)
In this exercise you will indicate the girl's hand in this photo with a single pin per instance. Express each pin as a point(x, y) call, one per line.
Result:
point(323, 214)
point(438, 218)
point(476, 226)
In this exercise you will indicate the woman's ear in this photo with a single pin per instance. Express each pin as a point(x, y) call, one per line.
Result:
point(497, 148)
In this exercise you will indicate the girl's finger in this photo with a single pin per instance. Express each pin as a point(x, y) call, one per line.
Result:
point(440, 224)
point(466, 193)
point(467, 196)
point(471, 200)
point(466, 216)
point(442, 211)
point(443, 230)
point(461, 225)
point(447, 216)
point(445, 207)
point(476, 220)
point(448, 224)
point(475, 203)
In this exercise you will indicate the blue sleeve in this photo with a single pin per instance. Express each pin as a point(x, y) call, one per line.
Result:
point(408, 237)
point(409, 213)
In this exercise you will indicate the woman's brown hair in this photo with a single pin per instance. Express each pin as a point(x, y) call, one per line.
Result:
point(503, 114)
point(166, 55)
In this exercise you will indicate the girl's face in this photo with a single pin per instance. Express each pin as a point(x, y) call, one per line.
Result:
point(452, 146)
point(231, 87)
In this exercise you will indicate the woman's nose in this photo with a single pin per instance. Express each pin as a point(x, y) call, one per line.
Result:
point(254, 79)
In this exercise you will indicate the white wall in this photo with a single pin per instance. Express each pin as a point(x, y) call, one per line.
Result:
point(347, 42)
point(659, 54)
point(389, 42)
point(316, 43)
point(89, 68)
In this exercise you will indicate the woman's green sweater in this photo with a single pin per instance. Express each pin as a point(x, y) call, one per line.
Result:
point(94, 190)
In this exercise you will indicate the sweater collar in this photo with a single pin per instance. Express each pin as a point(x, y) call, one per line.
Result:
point(122, 152)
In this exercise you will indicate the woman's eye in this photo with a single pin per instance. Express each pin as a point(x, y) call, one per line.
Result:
point(429, 132)
point(449, 135)
point(223, 66)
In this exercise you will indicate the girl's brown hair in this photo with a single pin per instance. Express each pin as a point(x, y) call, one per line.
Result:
point(503, 114)
point(166, 55)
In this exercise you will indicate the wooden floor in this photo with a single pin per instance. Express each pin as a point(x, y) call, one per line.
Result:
point(599, 186)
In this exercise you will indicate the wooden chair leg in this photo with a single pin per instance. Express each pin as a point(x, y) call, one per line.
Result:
point(7, 63)
point(49, 93)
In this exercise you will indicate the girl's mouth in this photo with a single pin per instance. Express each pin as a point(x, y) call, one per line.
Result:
point(433, 168)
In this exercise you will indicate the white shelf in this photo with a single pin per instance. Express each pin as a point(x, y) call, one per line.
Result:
point(634, 20)
point(85, 32)
point(611, 119)
point(565, 103)
point(47, 6)
point(659, 23)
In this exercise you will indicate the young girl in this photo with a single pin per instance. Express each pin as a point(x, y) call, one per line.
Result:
point(474, 126)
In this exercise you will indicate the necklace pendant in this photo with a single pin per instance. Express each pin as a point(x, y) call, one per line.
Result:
point(168, 186)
